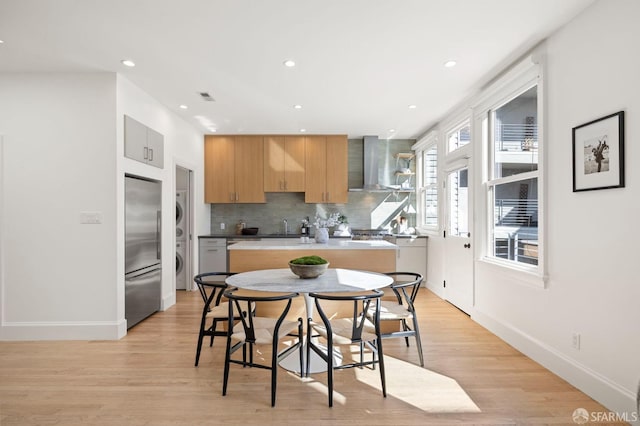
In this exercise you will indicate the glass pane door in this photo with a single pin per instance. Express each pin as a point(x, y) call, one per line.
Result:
point(458, 253)
point(458, 185)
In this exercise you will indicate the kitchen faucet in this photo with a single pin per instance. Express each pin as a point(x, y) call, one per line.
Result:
point(286, 227)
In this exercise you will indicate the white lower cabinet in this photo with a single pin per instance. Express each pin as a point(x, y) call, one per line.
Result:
point(412, 256)
point(213, 255)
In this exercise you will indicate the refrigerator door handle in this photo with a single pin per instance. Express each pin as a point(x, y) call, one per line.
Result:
point(131, 278)
point(158, 230)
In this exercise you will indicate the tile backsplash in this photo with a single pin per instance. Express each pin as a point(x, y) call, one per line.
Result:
point(365, 210)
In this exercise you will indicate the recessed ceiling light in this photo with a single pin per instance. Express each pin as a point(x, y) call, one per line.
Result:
point(412, 106)
point(1, 41)
point(297, 106)
point(289, 63)
point(392, 130)
point(183, 107)
point(128, 63)
point(212, 130)
point(303, 130)
point(450, 64)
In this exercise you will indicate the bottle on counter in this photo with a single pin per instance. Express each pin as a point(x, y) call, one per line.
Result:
point(304, 230)
point(239, 227)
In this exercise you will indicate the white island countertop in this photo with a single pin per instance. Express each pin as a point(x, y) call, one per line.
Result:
point(294, 244)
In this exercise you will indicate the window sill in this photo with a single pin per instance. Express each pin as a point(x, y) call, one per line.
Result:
point(520, 274)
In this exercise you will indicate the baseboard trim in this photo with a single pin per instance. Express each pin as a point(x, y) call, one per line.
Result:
point(610, 394)
point(87, 330)
point(168, 302)
point(436, 289)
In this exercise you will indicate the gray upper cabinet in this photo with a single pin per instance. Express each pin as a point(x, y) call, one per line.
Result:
point(155, 143)
point(142, 143)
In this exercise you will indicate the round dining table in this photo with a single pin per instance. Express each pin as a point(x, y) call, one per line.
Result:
point(332, 281)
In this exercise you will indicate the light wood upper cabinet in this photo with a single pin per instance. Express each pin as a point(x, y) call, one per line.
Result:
point(316, 168)
point(326, 169)
point(233, 169)
point(218, 169)
point(240, 169)
point(337, 169)
point(249, 165)
point(284, 163)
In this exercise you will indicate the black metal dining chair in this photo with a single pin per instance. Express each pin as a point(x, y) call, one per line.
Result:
point(405, 288)
point(253, 329)
point(338, 330)
point(211, 286)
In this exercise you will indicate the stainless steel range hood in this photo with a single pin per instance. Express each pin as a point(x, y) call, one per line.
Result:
point(371, 168)
point(371, 178)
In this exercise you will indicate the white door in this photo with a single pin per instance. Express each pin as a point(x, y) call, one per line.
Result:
point(458, 253)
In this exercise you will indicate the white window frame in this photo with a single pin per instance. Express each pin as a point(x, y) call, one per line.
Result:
point(461, 121)
point(459, 157)
point(424, 145)
point(520, 78)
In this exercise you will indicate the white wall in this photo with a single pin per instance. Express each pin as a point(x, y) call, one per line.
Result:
point(62, 153)
point(435, 264)
point(58, 276)
point(183, 146)
point(593, 288)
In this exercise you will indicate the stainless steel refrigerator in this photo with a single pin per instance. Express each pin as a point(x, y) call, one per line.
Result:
point(143, 269)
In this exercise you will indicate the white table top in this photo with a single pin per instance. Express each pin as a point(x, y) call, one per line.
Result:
point(295, 244)
point(332, 281)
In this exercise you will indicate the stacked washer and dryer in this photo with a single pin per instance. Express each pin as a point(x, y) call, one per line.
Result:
point(182, 215)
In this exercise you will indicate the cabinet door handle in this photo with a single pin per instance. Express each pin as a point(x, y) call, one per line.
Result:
point(285, 185)
point(150, 155)
point(231, 195)
point(146, 153)
point(328, 198)
point(210, 250)
point(237, 197)
point(323, 196)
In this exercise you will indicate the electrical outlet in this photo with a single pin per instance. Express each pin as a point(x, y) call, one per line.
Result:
point(222, 225)
point(575, 341)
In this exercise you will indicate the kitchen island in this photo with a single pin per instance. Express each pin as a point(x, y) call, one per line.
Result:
point(273, 253)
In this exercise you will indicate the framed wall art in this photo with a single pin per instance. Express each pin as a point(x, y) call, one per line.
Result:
point(598, 153)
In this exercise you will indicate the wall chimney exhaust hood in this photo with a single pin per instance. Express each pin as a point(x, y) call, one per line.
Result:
point(373, 182)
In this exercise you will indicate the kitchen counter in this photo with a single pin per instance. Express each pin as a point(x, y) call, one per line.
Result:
point(332, 244)
point(274, 253)
point(290, 236)
point(250, 237)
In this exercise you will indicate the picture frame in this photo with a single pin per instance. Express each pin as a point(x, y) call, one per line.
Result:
point(598, 153)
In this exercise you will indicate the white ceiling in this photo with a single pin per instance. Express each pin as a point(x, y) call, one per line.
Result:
point(360, 63)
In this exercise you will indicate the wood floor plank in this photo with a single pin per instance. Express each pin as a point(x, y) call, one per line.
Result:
point(148, 378)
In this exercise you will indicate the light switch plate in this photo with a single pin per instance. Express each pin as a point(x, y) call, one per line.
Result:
point(90, 218)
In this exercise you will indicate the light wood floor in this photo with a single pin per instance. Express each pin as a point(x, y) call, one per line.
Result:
point(148, 378)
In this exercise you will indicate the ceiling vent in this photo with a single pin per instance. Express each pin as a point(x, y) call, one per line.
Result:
point(207, 97)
